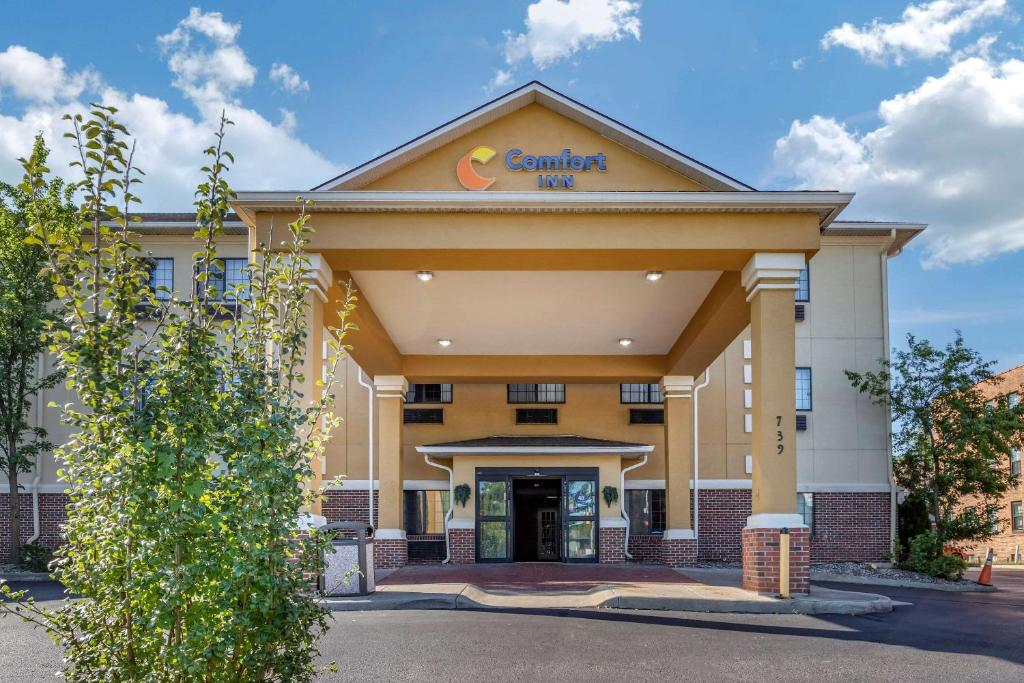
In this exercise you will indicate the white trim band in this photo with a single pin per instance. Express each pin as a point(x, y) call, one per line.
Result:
point(461, 523)
point(772, 520)
point(612, 523)
point(389, 534)
point(532, 450)
point(678, 535)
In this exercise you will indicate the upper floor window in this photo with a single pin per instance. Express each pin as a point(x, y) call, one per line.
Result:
point(1015, 461)
point(1017, 516)
point(1013, 400)
point(161, 277)
point(803, 388)
point(536, 393)
point(226, 275)
point(429, 393)
point(640, 393)
point(803, 285)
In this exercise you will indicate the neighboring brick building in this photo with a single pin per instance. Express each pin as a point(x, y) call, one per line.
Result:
point(1008, 543)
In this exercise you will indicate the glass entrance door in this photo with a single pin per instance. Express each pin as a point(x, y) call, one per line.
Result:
point(579, 502)
point(493, 512)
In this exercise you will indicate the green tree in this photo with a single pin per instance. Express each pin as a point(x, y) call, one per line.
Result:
point(193, 442)
point(25, 311)
point(951, 444)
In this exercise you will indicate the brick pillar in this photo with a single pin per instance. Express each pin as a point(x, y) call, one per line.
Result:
point(462, 541)
point(770, 280)
point(613, 541)
point(391, 546)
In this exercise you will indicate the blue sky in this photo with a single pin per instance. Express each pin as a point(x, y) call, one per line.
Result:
point(919, 110)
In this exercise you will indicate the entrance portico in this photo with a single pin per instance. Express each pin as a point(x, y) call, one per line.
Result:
point(553, 286)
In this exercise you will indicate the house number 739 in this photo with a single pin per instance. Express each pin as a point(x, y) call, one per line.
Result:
point(780, 446)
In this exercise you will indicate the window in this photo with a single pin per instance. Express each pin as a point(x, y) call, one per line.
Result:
point(425, 512)
point(1017, 515)
point(423, 416)
point(805, 508)
point(536, 393)
point(536, 416)
point(640, 393)
point(646, 511)
point(1013, 400)
point(803, 285)
point(429, 393)
point(1015, 461)
point(225, 275)
point(803, 388)
point(993, 521)
point(161, 275)
point(646, 416)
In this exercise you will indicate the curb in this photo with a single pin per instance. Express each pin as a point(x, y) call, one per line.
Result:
point(473, 598)
point(897, 583)
point(26, 577)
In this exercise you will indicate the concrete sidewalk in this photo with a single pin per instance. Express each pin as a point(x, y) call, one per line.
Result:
point(698, 590)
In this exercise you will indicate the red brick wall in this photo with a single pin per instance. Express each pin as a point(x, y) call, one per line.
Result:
point(761, 560)
point(645, 547)
point(390, 553)
point(52, 515)
point(348, 505)
point(723, 514)
point(851, 527)
point(462, 544)
point(613, 542)
point(678, 552)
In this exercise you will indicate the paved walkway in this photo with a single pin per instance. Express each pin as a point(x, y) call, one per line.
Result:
point(557, 586)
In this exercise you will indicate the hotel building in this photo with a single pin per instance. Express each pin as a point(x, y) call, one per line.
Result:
point(577, 344)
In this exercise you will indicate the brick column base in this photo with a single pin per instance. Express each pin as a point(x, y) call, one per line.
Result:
point(462, 544)
point(679, 552)
point(761, 560)
point(613, 544)
point(390, 553)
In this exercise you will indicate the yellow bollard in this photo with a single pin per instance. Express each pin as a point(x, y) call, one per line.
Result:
point(784, 564)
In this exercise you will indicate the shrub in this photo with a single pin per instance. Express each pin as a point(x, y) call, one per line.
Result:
point(36, 557)
point(926, 557)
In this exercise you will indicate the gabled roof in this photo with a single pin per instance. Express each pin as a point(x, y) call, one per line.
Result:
point(542, 443)
point(532, 92)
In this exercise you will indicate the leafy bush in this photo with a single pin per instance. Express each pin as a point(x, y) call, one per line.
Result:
point(926, 557)
point(36, 557)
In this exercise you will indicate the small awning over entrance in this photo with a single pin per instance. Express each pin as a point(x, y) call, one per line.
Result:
point(505, 444)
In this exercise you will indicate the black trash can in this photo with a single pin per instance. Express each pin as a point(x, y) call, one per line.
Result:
point(348, 566)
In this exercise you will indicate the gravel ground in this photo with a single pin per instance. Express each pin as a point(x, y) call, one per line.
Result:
point(874, 571)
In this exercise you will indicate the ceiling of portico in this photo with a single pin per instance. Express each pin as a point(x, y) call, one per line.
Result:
point(534, 312)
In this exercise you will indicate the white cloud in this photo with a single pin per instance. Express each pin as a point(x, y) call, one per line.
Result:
point(797, 64)
point(169, 143)
point(288, 78)
point(208, 64)
point(924, 30)
point(556, 29)
point(30, 76)
point(502, 78)
point(945, 153)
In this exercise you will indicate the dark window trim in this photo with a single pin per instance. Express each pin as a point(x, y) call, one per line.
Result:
point(446, 395)
point(623, 392)
point(200, 287)
point(559, 400)
point(409, 416)
point(522, 415)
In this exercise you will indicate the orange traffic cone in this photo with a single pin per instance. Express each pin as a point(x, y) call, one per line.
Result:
point(985, 578)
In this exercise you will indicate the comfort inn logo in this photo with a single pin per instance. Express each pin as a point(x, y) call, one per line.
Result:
point(516, 160)
point(470, 179)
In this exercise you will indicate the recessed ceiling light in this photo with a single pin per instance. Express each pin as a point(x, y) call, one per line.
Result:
point(425, 275)
point(625, 341)
point(653, 275)
point(445, 342)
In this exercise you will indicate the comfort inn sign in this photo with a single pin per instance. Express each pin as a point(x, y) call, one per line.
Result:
point(566, 164)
